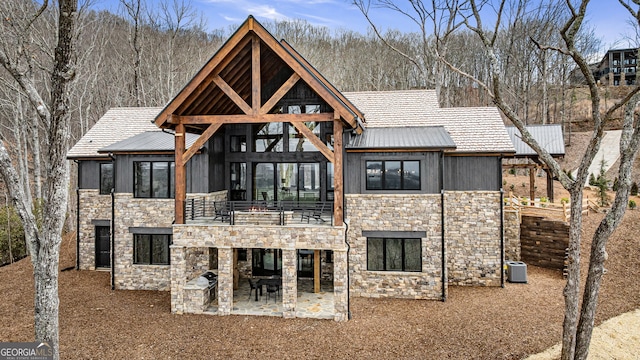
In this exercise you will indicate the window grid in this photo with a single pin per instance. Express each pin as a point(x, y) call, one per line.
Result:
point(106, 178)
point(394, 254)
point(148, 181)
point(393, 175)
point(151, 249)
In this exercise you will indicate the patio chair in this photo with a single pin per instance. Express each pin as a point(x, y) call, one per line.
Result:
point(221, 210)
point(272, 290)
point(315, 213)
point(254, 287)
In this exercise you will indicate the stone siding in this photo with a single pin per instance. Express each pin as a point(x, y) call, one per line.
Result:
point(93, 206)
point(394, 212)
point(134, 212)
point(512, 235)
point(226, 238)
point(472, 233)
point(294, 236)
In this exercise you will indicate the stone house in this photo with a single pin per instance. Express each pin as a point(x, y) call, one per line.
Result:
point(260, 168)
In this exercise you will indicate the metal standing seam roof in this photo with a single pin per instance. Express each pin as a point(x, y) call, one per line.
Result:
point(548, 136)
point(472, 129)
point(115, 125)
point(411, 137)
point(148, 141)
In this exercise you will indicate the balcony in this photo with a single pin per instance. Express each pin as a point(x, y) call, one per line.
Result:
point(199, 210)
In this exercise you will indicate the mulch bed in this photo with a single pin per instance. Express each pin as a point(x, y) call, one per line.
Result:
point(474, 322)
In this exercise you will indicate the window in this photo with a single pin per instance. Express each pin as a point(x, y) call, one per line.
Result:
point(106, 178)
point(238, 143)
point(389, 254)
point(153, 179)
point(151, 249)
point(268, 138)
point(393, 175)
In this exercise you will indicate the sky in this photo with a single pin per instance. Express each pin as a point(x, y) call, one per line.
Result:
point(608, 17)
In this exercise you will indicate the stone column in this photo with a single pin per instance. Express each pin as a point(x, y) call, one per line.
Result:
point(341, 297)
point(178, 277)
point(511, 235)
point(289, 283)
point(225, 280)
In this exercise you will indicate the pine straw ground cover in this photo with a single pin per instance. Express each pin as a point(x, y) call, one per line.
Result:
point(474, 322)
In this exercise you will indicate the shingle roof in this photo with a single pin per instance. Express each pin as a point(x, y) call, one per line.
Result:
point(115, 125)
point(410, 137)
point(148, 141)
point(473, 129)
point(548, 136)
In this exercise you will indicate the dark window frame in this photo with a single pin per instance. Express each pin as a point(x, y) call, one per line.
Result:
point(170, 190)
point(383, 180)
point(403, 255)
point(150, 238)
point(103, 190)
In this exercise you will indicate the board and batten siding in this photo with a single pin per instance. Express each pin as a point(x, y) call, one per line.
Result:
point(356, 171)
point(89, 172)
point(467, 173)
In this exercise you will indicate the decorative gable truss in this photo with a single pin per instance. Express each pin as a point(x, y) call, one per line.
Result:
point(243, 83)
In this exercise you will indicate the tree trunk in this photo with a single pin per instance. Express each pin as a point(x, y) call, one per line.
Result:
point(572, 288)
point(629, 150)
point(35, 149)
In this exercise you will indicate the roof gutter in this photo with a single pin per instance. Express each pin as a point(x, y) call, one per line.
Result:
point(501, 224)
point(77, 215)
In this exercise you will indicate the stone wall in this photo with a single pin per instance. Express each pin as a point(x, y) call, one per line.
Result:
point(394, 212)
point(226, 238)
point(511, 235)
point(197, 262)
point(93, 206)
point(472, 233)
point(133, 212)
point(296, 236)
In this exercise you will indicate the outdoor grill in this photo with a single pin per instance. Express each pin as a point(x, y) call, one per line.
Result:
point(213, 283)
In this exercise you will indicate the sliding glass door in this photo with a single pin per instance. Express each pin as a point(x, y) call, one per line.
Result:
point(286, 181)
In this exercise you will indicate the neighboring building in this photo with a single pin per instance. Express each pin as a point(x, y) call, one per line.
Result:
point(617, 67)
point(261, 167)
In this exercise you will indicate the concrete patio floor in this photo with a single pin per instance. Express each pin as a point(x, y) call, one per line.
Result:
point(309, 304)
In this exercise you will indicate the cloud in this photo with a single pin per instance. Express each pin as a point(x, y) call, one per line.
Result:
point(321, 20)
point(266, 11)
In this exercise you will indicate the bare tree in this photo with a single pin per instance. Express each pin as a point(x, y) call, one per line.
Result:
point(44, 240)
point(578, 321)
point(576, 327)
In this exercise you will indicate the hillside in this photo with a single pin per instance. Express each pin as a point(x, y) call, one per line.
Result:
point(474, 322)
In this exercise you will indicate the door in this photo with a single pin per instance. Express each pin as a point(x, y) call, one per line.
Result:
point(267, 262)
point(103, 247)
point(305, 263)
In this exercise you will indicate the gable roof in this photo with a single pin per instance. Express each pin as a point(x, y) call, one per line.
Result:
point(115, 125)
point(410, 137)
point(472, 129)
point(548, 136)
point(232, 69)
point(148, 141)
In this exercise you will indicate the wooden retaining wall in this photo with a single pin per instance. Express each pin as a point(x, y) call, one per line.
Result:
point(544, 242)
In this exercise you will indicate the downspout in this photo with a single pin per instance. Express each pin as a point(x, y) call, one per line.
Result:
point(346, 231)
point(444, 261)
point(112, 228)
point(501, 224)
point(77, 215)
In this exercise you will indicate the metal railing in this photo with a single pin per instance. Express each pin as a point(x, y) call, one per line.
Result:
point(199, 208)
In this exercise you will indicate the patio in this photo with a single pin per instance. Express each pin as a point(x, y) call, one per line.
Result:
point(309, 304)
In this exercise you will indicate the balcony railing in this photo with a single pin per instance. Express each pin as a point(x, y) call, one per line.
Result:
point(259, 212)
